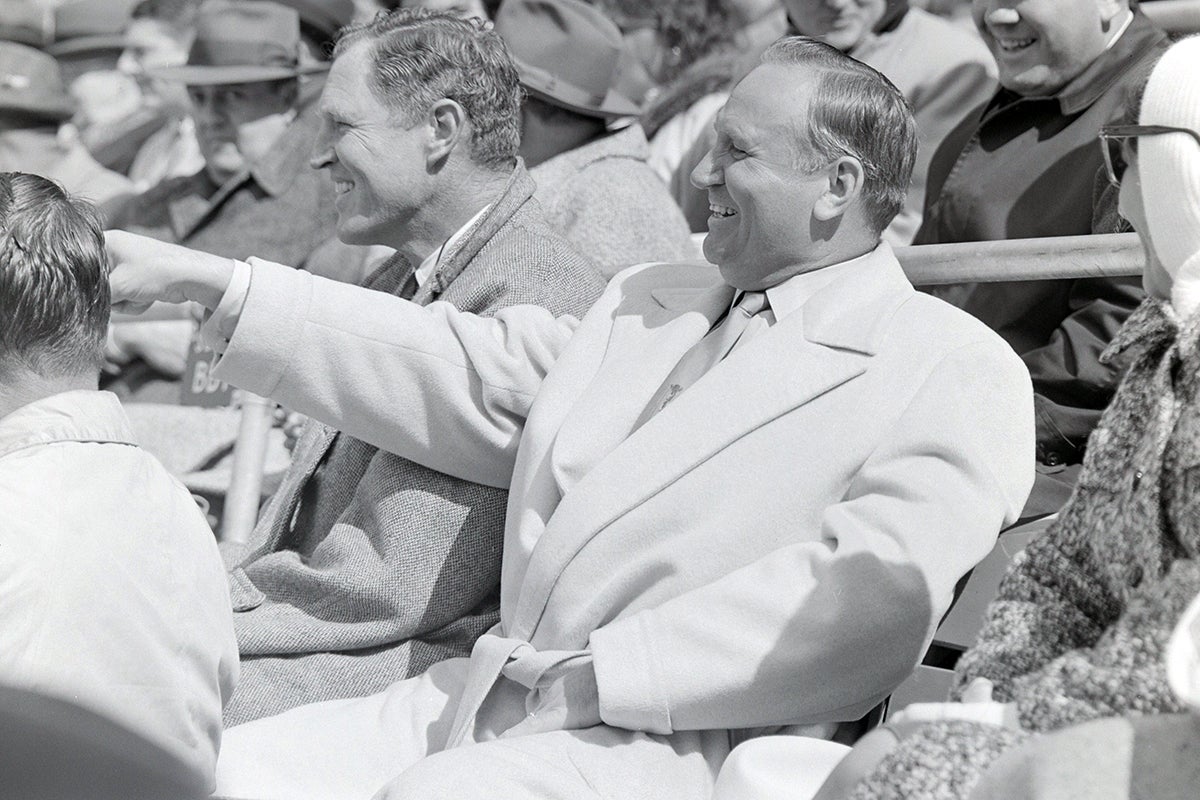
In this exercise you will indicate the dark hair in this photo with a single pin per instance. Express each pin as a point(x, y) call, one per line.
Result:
point(421, 57)
point(54, 295)
point(855, 111)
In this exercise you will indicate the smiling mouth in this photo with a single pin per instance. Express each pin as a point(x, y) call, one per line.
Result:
point(720, 211)
point(341, 187)
point(1013, 45)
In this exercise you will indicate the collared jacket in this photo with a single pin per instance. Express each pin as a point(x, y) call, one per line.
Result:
point(112, 592)
point(772, 548)
point(611, 204)
point(367, 567)
point(1023, 167)
point(1081, 623)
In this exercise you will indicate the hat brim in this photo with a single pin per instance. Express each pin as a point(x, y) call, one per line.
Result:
point(55, 108)
point(538, 83)
point(87, 44)
point(232, 74)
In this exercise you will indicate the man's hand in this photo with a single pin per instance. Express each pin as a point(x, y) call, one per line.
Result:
point(145, 270)
point(568, 702)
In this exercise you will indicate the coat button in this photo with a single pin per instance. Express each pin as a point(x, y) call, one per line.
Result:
point(1137, 479)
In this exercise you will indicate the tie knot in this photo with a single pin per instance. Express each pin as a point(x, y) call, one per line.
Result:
point(752, 303)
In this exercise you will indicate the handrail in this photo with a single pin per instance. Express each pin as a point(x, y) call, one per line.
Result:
point(1174, 16)
point(1098, 256)
point(1109, 255)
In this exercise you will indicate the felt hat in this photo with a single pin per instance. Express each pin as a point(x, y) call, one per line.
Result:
point(327, 17)
point(1169, 168)
point(567, 53)
point(31, 82)
point(88, 26)
point(242, 42)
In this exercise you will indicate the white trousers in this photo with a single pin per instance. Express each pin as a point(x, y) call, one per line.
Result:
point(390, 745)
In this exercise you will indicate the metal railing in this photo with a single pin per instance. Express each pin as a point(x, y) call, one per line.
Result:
point(1108, 255)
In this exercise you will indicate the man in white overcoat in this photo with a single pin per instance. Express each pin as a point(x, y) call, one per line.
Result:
point(738, 504)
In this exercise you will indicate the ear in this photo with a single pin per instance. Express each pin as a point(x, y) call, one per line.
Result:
point(447, 123)
point(845, 185)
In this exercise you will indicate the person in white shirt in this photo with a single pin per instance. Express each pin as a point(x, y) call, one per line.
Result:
point(112, 592)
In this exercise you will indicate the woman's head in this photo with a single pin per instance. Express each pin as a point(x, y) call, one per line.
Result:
point(1166, 167)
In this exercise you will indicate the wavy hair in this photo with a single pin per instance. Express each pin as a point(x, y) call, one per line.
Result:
point(421, 57)
point(54, 294)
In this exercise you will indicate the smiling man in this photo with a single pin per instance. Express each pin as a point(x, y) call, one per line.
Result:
point(941, 69)
point(735, 507)
point(1024, 165)
point(368, 566)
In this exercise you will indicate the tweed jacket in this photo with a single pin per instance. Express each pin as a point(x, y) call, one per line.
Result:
point(611, 205)
point(1081, 623)
point(367, 567)
point(716, 568)
point(1025, 167)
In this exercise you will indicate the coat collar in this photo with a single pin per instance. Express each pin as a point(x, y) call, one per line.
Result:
point(77, 416)
point(517, 191)
point(852, 312)
point(629, 143)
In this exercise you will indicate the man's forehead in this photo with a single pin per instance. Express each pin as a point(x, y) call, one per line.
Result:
point(769, 96)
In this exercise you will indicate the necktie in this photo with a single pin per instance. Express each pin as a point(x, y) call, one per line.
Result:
point(708, 352)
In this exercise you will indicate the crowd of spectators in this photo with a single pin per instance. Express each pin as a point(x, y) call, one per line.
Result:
point(475, 250)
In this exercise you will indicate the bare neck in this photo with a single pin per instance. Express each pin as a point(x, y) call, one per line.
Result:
point(25, 387)
point(448, 210)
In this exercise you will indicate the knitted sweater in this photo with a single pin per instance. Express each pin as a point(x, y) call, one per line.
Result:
point(365, 567)
point(1082, 620)
point(608, 202)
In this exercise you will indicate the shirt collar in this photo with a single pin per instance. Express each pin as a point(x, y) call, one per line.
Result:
point(76, 416)
point(791, 295)
point(425, 271)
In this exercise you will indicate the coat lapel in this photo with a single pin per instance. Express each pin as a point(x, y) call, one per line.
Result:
point(827, 343)
point(606, 412)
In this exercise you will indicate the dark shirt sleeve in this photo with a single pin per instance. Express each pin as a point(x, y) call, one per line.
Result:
point(1072, 386)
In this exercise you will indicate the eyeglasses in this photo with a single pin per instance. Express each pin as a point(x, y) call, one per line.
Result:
point(1111, 137)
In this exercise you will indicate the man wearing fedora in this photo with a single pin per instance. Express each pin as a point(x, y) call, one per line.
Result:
point(739, 501)
point(33, 106)
point(367, 567)
point(255, 193)
point(595, 185)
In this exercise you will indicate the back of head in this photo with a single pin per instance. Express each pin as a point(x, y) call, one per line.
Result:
point(421, 57)
point(1169, 166)
point(54, 294)
point(851, 105)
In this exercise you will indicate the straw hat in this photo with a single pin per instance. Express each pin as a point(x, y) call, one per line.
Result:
point(567, 53)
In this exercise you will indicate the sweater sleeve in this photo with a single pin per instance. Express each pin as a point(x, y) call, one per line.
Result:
point(941, 761)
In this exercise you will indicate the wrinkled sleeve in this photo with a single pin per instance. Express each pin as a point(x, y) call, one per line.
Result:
point(446, 389)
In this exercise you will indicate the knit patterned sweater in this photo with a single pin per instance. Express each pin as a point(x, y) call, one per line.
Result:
point(1082, 620)
point(611, 204)
point(366, 568)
